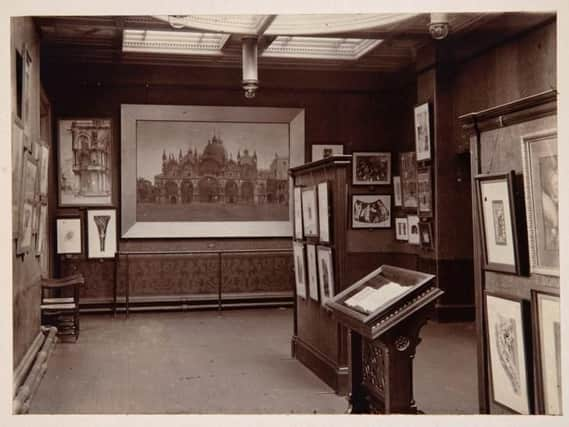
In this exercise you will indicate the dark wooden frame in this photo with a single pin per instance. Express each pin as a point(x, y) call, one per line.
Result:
point(357, 154)
point(430, 245)
point(371, 226)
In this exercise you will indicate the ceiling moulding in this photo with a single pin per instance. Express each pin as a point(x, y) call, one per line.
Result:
point(229, 24)
point(173, 42)
point(319, 48)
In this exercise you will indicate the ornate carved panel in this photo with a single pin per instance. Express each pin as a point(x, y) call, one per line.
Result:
point(256, 273)
point(99, 275)
point(374, 366)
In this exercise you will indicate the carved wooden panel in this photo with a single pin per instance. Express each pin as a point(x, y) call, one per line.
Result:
point(98, 274)
point(373, 366)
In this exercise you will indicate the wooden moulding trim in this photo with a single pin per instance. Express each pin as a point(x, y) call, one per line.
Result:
point(336, 160)
point(26, 362)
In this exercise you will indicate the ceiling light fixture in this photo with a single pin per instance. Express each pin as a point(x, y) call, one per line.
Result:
point(177, 21)
point(250, 80)
point(438, 27)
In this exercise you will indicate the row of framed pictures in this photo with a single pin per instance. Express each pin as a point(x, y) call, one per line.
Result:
point(411, 229)
point(314, 272)
point(513, 347)
point(101, 234)
point(312, 212)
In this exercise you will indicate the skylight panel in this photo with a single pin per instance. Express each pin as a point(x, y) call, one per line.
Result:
point(173, 42)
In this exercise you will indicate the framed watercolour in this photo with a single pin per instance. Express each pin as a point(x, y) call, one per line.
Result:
point(85, 150)
point(408, 168)
point(297, 194)
point(397, 197)
point(68, 232)
point(325, 273)
point(424, 192)
point(17, 161)
point(310, 212)
point(546, 327)
point(371, 211)
point(541, 185)
point(299, 269)
point(312, 271)
point(371, 168)
point(401, 229)
point(322, 151)
point(497, 215)
point(426, 235)
point(508, 356)
point(323, 212)
point(101, 233)
point(422, 132)
point(413, 227)
point(193, 171)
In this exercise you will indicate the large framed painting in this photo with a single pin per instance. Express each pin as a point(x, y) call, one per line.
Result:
point(422, 132)
point(299, 269)
point(84, 173)
point(546, 328)
point(408, 169)
point(101, 233)
point(323, 151)
point(190, 171)
point(371, 168)
point(541, 185)
point(325, 273)
point(506, 321)
point(371, 211)
point(498, 223)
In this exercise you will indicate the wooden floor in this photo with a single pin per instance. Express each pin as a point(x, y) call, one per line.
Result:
point(234, 363)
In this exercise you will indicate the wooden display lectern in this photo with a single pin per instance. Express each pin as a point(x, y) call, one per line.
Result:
point(385, 312)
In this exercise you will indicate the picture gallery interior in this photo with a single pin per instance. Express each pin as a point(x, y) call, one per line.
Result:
point(285, 214)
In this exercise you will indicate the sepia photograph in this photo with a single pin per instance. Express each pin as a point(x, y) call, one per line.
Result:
point(371, 168)
point(371, 211)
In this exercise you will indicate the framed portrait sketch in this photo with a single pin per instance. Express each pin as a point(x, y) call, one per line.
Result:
point(17, 161)
point(546, 328)
point(193, 171)
point(508, 358)
point(325, 273)
point(422, 132)
point(299, 269)
point(371, 211)
point(413, 227)
point(426, 235)
point(323, 212)
point(68, 232)
point(312, 271)
point(297, 194)
point(101, 233)
point(323, 151)
point(540, 168)
point(424, 191)
point(371, 168)
point(310, 212)
point(401, 229)
point(84, 173)
point(408, 169)
point(397, 197)
point(497, 216)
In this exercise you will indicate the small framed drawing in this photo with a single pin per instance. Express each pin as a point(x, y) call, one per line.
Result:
point(413, 227)
point(323, 151)
point(426, 235)
point(84, 175)
point(325, 273)
point(508, 356)
point(310, 212)
point(312, 272)
point(323, 212)
point(68, 232)
point(371, 211)
point(397, 198)
point(546, 329)
point(541, 185)
point(424, 192)
point(299, 269)
point(497, 216)
point(401, 229)
point(101, 233)
point(298, 213)
point(371, 168)
point(408, 168)
point(422, 132)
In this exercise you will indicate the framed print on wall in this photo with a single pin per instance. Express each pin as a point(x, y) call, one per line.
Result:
point(424, 192)
point(28, 204)
point(371, 168)
point(101, 233)
point(546, 327)
point(408, 168)
point(297, 194)
point(497, 216)
point(17, 162)
point(323, 151)
point(371, 211)
point(397, 197)
point(41, 237)
point(325, 273)
point(401, 229)
point(323, 212)
point(541, 185)
point(310, 212)
point(413, 227)
point(422, 132)
point(299, 269)
point(44, 169)
point(312, 271)
point(426, 235)
point(85, 163)
point(68, 232)
point(508, 353)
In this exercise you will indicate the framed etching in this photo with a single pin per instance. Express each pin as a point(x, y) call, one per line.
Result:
point(422, 132)
point(310, 212)
point(85, 150)
point(68, 231)
point(401, 229)
point(323, 212)
point(546, 328)
point(371, 211)
point(323, 151)
point(497, 216)
point(413, 227)
point(101, 233)
point(192, 171)
point(408, 168)
point(299, 269)
point(325, 273)
point(312, 271)
point(424, 192)
point(426, 235)
point(508, 356)
point(297, 193)
point(371, 168)
point(397, 197)
point(541, 185)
